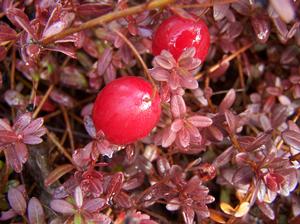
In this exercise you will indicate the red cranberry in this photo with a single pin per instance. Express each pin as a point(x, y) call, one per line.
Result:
point(175, 34)
point(124, 110)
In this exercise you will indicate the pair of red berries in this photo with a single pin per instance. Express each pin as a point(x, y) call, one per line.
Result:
point(124, 109)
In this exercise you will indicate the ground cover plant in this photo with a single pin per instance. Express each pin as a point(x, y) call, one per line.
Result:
point(158, 111)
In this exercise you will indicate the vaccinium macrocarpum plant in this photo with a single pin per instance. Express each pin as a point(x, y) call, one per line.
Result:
point(223, 146)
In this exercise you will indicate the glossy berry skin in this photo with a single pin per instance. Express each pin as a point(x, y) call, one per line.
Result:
point(124, 110)
point(176, 34)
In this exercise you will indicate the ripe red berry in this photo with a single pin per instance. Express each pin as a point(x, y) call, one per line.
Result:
point(124, 110)
point(176, 34)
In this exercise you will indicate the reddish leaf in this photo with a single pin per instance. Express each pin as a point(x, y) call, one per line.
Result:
point(188, 81)
point(220, 70)
point(235, 29)
point(284, 8)
point(189, 53)
point(122, 199)
point(7, 33)
point(101, 218)
point(8, 215)
point(94, 205)
point(3, 52)
point(62, 98)
point(35, 212)
point(267, 210)
point(17, 201)
point(104, 61)
point(177, 125)
point(163, 166)
point(178, 107)
point(92, 10)
point(242, 176)
point(48, 105)
point(34, 127)
point(73, 77)
point(273, 181)
point(279, 115)
point(62, 206)
point(89, 126)
point(228, 100)
point(200, 121)
point(289, 55)
point(7, 137)
point(57, 173)
point(261, 140)
point(20, 19)
point(115, 184)
point(184, 137)
point(292, 138)
point(281, 28)
point(166, 62)
point(65, 21)
point(78, 196)
point(168, 137)
point(16, 155)
point(159, 74)
point(145, 165)
point(90, 47)
point(231, 121)
point(14, 98)
point(265, 122)
point(188, 215)
point(243, 7)
point(22, 121)
point(66, 49)
point(173, 205)
point(220, 11)
point(153, 193)
point(261, 28)
point(223, 158)
point(215, 133)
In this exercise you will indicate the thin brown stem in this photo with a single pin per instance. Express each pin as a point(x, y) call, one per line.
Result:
point(58, 112)
point(296, 157)
point(64, 137)
point(76, 118)
point(13, 69)
point(5, 177)
point(242, 78)
point(205, 5)
point(12, 76)
point(69, 127)
point(107, 18)
point(210, 104)
point(34, 88)
point(139, 58)
point(61, 149)
point(226, 91)
point(224, 60)
point(45, 97)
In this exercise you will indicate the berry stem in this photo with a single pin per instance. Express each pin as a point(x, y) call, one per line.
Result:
point(107, 18)
point(224, 60)
point(139, 58)
point(242, 79)
point(69, 127)
point(206, 4)
point(58, 112)
point(45, 97)
point(13, 76)
point(61, 149)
